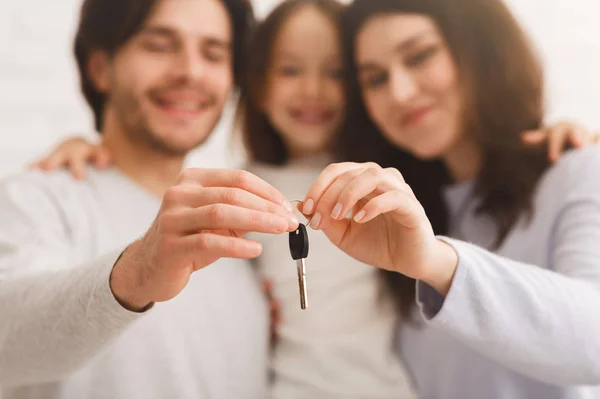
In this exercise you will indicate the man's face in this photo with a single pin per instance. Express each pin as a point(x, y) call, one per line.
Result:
point(167, 86)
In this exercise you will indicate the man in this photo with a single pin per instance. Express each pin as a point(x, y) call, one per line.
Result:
point(79, 307)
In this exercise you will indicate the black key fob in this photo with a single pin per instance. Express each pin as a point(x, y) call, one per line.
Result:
point(299, 243)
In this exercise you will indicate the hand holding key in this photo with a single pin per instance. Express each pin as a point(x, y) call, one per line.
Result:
point(389, 228)
point(202, 218)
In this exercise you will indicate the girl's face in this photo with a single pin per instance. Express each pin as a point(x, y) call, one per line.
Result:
point(410, 84)
point(304, 93)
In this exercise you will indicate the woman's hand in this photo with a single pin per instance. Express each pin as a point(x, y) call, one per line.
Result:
point(560, 136)
point(388, 227)
point(75, 154)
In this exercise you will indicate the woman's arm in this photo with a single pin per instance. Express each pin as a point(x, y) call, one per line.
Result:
point(542, 323)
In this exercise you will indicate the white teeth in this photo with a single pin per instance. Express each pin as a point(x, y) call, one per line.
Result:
point(184, 105)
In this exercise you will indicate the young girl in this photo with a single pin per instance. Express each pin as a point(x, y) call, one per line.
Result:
point(292, 107)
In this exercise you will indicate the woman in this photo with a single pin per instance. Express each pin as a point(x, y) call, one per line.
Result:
point(507, 307)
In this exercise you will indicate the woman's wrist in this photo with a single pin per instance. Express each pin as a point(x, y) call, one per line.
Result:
point(442, 268)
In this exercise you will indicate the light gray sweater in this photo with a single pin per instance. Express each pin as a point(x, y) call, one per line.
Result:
point(523, 322)
point(64, 336)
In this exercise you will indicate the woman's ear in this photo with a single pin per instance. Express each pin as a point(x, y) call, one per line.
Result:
point(98, 70)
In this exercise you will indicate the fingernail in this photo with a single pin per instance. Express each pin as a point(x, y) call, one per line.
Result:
point(315, 221)
point(359, 216)
point(294, 222)
point(308, 206)
point(287, 205)
point(337, 210)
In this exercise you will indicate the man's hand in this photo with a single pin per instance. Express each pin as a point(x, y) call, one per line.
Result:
point(203, 218)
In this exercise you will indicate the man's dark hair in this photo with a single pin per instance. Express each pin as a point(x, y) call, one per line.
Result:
point(108, 24)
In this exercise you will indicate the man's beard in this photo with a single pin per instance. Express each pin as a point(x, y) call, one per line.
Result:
point(137, 128)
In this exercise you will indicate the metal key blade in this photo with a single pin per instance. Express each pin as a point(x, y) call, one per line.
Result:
point(302, 282)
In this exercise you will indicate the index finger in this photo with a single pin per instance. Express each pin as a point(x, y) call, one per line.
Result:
point(325, 179)
point(236, 179)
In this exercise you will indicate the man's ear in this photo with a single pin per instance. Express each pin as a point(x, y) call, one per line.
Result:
point(98, 70)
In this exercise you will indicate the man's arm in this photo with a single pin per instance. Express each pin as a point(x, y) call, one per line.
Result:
point(54, 316)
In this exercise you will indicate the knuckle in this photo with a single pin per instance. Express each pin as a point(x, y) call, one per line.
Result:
point(376, 173)
point(241, 178)
point(274, 209)
point(231, 196)
point(350, 175)
point(256, 220)
point(394, 173)
point(202, 242)
point(171, 196)
point(184, 176)
point(398, 195)
point(216, 213)
point(357, 172)
point(189, 175)
point(336, 167)
point(166, 221)
point(349, 195)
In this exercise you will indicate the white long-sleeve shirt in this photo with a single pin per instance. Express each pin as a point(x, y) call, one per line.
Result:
point(342, 345)
point(523, 322)
point(64, 336)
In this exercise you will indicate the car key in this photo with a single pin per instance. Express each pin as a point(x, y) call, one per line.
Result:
point(299, 251)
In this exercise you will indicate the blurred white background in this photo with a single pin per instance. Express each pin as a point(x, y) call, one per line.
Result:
point(40, 102)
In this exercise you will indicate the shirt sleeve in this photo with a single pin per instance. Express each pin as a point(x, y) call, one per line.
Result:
point(541, 322)
point(54, 316)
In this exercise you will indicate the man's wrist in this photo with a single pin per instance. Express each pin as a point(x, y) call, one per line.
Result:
point(125, 285)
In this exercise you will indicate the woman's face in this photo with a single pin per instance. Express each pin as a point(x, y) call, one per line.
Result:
point(410, 83)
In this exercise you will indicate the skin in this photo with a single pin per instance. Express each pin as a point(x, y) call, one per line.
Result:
point(166, 88)
point(305, 94)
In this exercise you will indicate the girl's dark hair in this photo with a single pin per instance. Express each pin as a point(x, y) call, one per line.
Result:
point(108, 24)
point(503, 92)
point(261, 140)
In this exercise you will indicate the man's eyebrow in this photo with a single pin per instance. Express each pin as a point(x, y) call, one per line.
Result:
point(157, 30)
point(160, 30)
